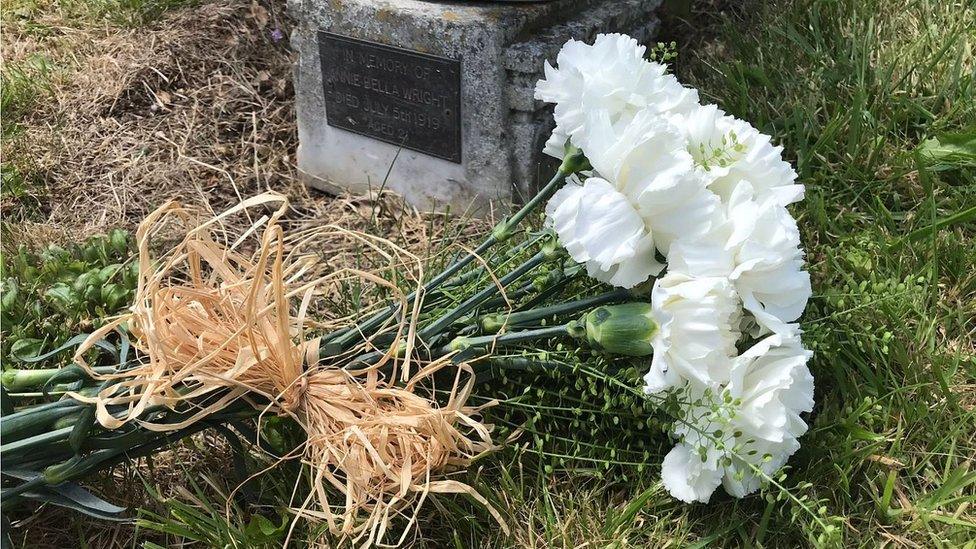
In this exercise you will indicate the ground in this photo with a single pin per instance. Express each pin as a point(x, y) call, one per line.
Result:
point(112, 107)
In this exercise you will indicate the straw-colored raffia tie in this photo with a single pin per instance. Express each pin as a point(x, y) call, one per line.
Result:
point(210, 319)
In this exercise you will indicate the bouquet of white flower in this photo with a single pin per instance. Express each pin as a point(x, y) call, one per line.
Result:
point(651, 182)
point(683, 184)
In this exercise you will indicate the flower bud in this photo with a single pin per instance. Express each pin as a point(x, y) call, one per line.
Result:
point(492, 323)
point(60, 472)
point(574, 161)
point(624, 329)
point(459, 344)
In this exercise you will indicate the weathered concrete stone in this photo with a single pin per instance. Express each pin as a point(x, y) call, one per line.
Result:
point(501, 48)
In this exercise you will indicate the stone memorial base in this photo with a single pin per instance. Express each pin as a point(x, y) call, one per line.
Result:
point(435, 99)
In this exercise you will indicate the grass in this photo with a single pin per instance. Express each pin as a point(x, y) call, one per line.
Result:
point(21, 84)
point(873, 101)
point(852, 89)
point(27, 78)
point(33, 16)
point(45, 43)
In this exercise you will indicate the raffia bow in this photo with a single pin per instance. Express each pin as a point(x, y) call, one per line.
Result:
point(209, 319)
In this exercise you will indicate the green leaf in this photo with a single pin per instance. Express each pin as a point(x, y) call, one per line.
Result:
point(62, 296)
point(95, 249)
point(630, 512)
point(119, 241)
point(55, 254)
point(964, 216)
point(26, 348)
point(69, 495)
point(106, 274)
point(74, 342)
point(952, 150)
point(262, 529)
point(90, 279)
point(114, 296)
point(130, 276)
point(11, 291)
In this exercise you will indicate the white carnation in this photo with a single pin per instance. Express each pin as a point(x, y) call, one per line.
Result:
point(730, 151)
point(709, 192)
point(598, 226)
point(750, 424)
point(768, 272)
point(647, 177)
point(646, 161)
point(610, 75)
point(757, 245)
point(689, 476)
point(775, 386)
point(697, 321)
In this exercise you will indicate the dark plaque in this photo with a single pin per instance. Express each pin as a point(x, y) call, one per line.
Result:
point(395, 95)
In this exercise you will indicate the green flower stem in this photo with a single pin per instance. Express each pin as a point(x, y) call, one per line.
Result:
point(573, 162)
point(346, 337)
point(432, 330)
point(30, 424)
point(463, 279)
point(30, 410)
point(79, 467)
point(37, 441)
point(474, 274)
point(543, 287)
point(340, 341)
point(26, 450)
point(10, 494)
point(148, 441)
point(16, 381)
point(510, 296)
point(57, 435)
point(494, 322)
point(490, 368)
point(571, 329)
point(547, 291)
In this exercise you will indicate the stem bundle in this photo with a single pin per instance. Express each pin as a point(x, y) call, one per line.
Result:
point(215, 325)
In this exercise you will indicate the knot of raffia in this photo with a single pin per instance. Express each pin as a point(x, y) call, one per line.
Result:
point(214, 324)
point(293, 398)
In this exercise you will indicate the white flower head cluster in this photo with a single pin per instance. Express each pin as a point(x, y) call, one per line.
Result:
point(612, 76)
point(685, 186)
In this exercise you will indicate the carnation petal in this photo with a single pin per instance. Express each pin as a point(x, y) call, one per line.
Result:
point(599, 227)
point(686, 477)
point(556, 144)
point(697, 322)
point(731, 152)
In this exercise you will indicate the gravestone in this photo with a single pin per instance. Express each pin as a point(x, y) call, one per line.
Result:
point(435, 99)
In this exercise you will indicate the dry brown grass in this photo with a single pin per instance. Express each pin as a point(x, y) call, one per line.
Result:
point(197, 106)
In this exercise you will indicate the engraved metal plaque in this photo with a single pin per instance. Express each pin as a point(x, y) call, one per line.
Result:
point(392, 94)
